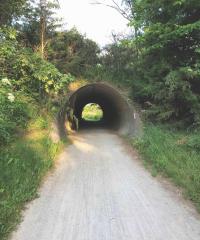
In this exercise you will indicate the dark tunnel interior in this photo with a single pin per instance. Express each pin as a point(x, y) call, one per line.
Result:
point(115, 109)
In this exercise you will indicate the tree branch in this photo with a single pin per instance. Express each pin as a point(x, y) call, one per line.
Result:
point(116, 7)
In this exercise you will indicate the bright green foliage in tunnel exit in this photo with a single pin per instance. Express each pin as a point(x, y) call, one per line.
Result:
point(92, 112)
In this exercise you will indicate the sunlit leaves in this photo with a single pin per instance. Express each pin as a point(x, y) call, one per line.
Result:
point(31, 73)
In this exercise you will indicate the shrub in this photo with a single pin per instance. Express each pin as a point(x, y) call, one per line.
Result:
point(14, 113)
point(27, 71)
point(25, 78)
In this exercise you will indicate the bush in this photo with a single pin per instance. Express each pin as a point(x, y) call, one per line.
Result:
point(194, 142)
point(27, 71)
point(14, 113)
point(174, 154)
point(167, 68)
point(25, 78)
point(22, 167)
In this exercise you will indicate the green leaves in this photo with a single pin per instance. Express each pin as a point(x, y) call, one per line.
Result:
point(10, 10)
point(72, 52)
point(167, 70)
point(13, 114)
point(24, 76)
point(31, 73)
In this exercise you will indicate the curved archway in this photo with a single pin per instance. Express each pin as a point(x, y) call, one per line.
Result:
point(117, 114)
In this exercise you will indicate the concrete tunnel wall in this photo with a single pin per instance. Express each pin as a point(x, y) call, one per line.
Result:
point(118, 115)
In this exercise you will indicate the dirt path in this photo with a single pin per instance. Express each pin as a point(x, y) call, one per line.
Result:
point(100, 191)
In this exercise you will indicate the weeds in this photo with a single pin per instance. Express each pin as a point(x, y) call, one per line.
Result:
point(174, 154)
point(22, 166)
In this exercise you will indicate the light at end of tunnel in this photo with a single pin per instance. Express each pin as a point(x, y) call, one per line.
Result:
point(92, 112)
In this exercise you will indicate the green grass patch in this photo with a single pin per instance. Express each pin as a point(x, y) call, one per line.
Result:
point(92, 112)
point(22, 166)
point(174, 154)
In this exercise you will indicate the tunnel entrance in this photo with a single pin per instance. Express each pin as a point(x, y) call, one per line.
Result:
point(117, 113)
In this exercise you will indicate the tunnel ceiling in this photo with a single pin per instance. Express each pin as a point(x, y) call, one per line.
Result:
point(116, 112)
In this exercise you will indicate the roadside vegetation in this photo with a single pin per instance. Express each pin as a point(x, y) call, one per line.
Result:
point(92, 112)
point(174, 154)
point(23, 163)
point(31, 91)
point(159, 63)
point(28, 85)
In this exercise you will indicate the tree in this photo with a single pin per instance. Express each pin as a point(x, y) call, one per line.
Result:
point(72, 52)
point(165, 60)
point(46, 21)
point(126, 8)
point(39, 24)
point(10, 10)
point(26, 70)
point(116, 61)
point(168, 65)
point(123, 7)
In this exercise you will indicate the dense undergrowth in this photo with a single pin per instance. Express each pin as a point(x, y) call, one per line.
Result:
point(25, 80)
point(31, 90)
point(175, 154)
point(23, 163)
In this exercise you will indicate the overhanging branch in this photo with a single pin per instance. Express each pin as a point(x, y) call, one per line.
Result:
point(116, 7)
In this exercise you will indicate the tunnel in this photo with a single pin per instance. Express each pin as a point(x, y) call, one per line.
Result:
point(118, 115)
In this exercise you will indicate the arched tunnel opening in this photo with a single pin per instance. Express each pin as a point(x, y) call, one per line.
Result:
point(117, 115)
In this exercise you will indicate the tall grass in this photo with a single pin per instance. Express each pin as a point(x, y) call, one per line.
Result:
point(22, 166)
point(174, 154)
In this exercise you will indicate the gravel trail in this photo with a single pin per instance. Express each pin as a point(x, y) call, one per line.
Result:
point(99, 190)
